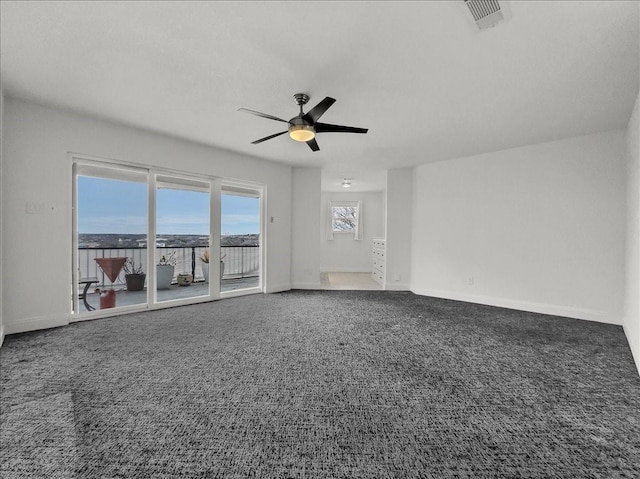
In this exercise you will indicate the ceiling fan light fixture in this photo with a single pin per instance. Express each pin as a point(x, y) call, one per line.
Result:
point(303, 127)
point(302, 133)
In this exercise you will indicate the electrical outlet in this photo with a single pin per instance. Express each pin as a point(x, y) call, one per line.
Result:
point(470, 280)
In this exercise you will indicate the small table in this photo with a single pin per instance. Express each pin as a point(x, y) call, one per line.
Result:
point(83, 296)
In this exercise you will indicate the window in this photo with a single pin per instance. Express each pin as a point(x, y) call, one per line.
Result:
point(345, 217)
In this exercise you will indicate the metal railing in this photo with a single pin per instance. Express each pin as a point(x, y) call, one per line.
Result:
point(239, 261)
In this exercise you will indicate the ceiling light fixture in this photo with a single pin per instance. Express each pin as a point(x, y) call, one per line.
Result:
point(302, 133)
point(346, 183)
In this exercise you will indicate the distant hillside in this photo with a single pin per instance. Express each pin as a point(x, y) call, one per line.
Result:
point(178, 241)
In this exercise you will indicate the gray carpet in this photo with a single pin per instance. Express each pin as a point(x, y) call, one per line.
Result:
point(321, 384)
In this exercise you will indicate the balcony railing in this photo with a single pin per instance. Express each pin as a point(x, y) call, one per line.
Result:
point(239, 261)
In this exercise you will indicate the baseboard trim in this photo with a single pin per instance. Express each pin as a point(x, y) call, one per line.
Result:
point(634, 346)
point(308, 285)
point(339, 269)
point(543, 308)
point(34, 324)
point(397, 287)
point(277, 288)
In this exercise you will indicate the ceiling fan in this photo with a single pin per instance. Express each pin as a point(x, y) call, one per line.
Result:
point(304, 126)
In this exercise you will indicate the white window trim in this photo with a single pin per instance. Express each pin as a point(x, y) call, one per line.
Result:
point(357, 231)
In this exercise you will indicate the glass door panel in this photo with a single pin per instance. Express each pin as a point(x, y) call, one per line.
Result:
point(182, 238)
point(110, 228)
point(240, 255)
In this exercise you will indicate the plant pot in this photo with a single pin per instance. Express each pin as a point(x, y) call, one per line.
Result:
point(164, 276)
point(135, 282)
point(107, 298)
point(205, 272)
point(184, 279)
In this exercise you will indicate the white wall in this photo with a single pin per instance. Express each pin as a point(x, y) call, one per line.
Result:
point(539, 228)
point(36, 168)
point(305, 224)
point(632, 281)
point(1, 210)
point(398, 228)
point(343, 253)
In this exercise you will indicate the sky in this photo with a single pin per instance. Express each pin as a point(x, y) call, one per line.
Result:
point(120, 207)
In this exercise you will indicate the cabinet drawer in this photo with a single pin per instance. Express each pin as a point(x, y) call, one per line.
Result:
point(378, 261)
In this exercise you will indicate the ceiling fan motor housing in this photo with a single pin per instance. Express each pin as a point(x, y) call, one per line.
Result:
point(299, 120)
point(301, 129)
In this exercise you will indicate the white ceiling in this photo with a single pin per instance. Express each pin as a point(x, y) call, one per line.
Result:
point(422, 78)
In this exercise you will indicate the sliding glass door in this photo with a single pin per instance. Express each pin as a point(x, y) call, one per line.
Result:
point(110, 238)
point(182, 238)
point(146, 238)
point(240, 252)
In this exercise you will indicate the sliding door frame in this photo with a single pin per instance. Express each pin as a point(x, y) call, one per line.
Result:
point(152, 173)
point(259, 190)
point(187, 182)
point(117, 171)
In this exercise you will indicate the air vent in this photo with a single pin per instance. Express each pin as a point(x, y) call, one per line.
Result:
point(486, 13)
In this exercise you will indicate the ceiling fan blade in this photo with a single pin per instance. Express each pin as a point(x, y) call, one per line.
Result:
point(317, 111)
point(263, 115)
point(268, 137)
point(327, 128)
point(313, 144)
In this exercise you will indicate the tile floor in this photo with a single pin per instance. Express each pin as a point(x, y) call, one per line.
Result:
point(353, 281)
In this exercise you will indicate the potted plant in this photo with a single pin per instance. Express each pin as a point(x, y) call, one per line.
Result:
point(204, 258)
point(164, 271)
point(134, 276)
point(184, 279)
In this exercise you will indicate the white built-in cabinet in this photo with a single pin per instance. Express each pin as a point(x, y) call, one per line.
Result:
point(379, 260)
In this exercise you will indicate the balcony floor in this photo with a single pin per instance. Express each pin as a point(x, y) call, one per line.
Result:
point(129, 298)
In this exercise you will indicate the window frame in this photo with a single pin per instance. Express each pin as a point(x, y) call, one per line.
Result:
point(357, 231)
point(344, 204)
point(156, 176)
